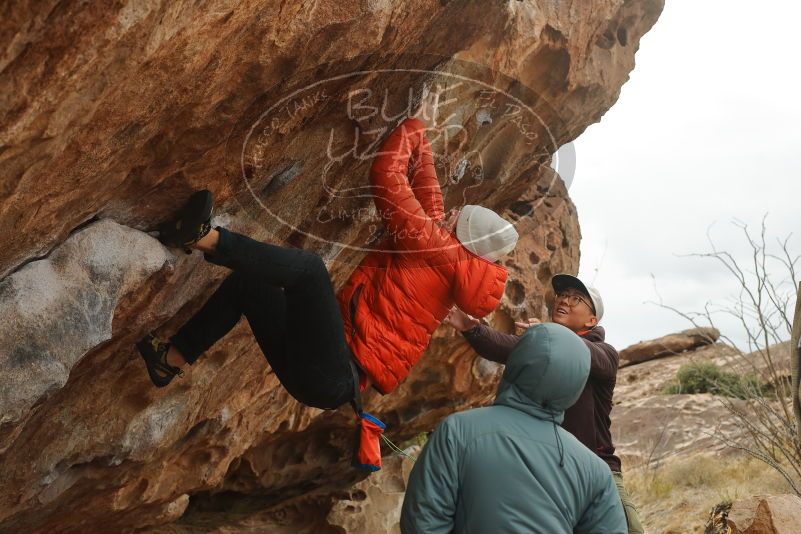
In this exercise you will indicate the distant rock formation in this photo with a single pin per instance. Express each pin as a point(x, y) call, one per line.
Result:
point(771, 514)
point(668, 345)
point(112, 115)
point(649, 425)
point(658, 435)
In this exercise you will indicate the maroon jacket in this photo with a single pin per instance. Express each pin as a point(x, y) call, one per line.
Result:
point(588, 419)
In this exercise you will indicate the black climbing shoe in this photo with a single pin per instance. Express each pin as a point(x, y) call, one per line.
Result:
point(154, 352)
point(191, 224)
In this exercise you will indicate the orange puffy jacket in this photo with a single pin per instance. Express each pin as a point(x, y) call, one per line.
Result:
point(402, 291)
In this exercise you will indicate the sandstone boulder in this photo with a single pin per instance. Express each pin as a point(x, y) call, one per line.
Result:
point(374, 505)
point(370, 505)
point(660, 426)
point(671, 344)
point(112, 115)
point(772, 514)
point(651, 426)
point(54, 310)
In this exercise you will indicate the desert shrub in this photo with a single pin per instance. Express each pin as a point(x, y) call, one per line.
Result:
point(418, 440)
point(768, 307)
point(706, 377)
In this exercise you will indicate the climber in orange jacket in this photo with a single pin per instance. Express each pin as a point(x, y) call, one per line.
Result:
point(400, 293)
point(323, 347)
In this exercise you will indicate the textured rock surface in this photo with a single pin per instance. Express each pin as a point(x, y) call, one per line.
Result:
point(374, 505)
point(772, 514)
point(650, 426)
point(119, 111)
point(673, 447)
point(371, 505)
point(668, 345)
point(658, 427)
point(54, 310)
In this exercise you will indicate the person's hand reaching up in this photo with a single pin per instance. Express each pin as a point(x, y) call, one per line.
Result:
point(522, 326)
point(460, 320)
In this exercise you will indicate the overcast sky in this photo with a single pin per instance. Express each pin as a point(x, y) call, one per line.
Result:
point(707, 130)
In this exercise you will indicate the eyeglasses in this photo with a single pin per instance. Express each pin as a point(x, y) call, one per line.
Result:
point(572, 300)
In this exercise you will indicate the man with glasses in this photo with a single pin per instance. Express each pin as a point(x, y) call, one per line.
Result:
point(578, 307)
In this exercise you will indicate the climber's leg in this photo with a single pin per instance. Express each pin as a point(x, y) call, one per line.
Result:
point(217, 316)
point(208, 243)
point(276, 265)
point(287, 297)
point(307, 349)
point(311, 380)
point(306, 346)
point(174, 357)
point(316, 342)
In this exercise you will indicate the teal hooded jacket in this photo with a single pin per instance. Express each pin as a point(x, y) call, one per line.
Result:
point(510, 467)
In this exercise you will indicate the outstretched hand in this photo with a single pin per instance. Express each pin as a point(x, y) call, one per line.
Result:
point(460, 320)
point(525, 325)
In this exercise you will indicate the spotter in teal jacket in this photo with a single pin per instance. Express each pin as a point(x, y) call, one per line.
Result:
point(509, 467)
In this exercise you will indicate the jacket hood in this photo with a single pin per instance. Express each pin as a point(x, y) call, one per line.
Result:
point(545, 373)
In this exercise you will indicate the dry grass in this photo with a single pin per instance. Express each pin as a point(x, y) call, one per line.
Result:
point(676, 497)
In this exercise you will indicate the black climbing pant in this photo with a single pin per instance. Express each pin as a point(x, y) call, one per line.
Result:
point(289, 302)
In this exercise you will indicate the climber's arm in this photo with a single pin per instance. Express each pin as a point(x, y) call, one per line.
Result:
point(408, 224)
point(424, 181)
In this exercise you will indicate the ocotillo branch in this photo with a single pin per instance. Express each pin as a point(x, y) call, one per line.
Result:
point(795, 358)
